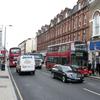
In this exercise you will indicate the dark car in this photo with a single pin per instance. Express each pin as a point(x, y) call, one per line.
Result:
point(66, 74)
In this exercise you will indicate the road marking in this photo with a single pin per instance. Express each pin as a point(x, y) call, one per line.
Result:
point(20, 96)
point(91, 91)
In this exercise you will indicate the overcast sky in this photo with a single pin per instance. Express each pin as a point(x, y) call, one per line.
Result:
point(27, 16)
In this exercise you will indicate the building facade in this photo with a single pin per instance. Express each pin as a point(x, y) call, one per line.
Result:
point(95, 32)
point(28, 45)
point(68, 25)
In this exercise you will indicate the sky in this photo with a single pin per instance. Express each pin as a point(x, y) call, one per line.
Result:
point(27, 17)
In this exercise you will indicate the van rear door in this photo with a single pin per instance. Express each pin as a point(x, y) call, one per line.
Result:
point(27, 63)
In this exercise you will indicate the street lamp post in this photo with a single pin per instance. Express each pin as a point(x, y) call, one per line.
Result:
point(5, 43)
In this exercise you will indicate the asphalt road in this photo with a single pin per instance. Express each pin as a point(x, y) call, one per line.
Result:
point(42, 87)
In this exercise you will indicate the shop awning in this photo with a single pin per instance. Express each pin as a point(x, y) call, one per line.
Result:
point(94, 45)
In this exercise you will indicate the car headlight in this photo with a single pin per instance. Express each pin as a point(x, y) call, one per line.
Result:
point(70, 75)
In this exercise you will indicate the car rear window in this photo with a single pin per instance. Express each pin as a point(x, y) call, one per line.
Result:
point(27, 57)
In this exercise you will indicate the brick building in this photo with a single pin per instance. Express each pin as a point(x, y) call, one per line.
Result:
point(68, 25)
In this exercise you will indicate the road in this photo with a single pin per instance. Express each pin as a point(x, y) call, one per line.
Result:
point(42, 87)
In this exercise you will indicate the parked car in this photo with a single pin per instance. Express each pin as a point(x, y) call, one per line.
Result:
point(66, 74)
point(83, 70)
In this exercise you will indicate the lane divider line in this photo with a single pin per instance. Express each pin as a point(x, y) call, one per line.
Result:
point(93, 92)
point(18, 91)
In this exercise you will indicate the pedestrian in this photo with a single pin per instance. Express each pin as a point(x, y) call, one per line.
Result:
point(89, 65)
point(99, 68)
point(93, 67)
point(3, 65)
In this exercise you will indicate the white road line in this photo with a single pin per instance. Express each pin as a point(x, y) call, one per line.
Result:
point(21, 98)
point(91, 91)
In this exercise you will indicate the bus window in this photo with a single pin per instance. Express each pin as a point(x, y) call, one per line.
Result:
point(50, 59)
point(63, 48)
point(64, 61)
point(55, 60)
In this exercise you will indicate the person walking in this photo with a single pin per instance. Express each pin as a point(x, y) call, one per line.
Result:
point(99, 68)
point(89, 65)
point(3, 65)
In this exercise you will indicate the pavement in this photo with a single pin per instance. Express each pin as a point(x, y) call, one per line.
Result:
point(7, 91)
point(97, 76)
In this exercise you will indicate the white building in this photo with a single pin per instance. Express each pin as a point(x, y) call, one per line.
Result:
point(28, 45)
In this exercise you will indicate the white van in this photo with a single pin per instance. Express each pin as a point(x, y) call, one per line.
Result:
point(25, 63)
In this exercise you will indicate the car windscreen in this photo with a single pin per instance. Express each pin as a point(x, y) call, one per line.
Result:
point(75, 66)
point(66, 68)
point(15, 51)
point(37, 56)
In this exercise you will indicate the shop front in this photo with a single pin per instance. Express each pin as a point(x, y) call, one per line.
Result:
point(95, 51)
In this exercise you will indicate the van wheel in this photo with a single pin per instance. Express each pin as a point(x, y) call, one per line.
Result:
point(33, 72)
point(16, 70)
point(19, 72)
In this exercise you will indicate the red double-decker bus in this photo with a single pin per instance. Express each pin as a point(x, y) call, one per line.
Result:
point(14, 53)
point(70, 53)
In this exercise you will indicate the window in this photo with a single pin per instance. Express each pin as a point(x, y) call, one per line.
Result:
point(79, 21)
point(78, 36)
point(79, 6)
point(90, 1)
point(84, 35)
point(96, 24)
point(74, 36)
point(85, 19)
point(63, 48)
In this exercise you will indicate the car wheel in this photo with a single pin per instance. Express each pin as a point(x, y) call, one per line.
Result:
point(81, 81)
point(40, 67)
point(52, 75)
point(63, 79)
point(33, 72)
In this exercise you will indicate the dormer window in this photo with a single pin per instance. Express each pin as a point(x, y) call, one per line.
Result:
point(58, 20)
point(90, 1)
point(66, 15)
point(79, 6)
point(51, 25)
